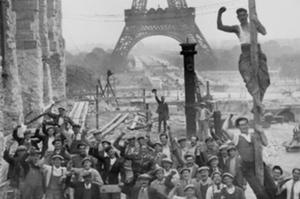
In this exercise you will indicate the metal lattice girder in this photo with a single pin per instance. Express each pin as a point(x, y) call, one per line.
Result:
point(139, 5)
point(177, 4)
point(178, 24)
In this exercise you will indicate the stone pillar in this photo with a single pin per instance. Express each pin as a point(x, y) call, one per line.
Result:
point(56, 58)
point(29, 55)
point(43, 27)
point(10, 84)
point(188, 51)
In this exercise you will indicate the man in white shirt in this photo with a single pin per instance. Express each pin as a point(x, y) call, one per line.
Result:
point(247, 142)
point(214, 191)
point(292, 186)
point(203, 115)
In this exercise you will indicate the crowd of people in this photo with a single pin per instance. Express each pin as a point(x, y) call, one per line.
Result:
point(53, 163)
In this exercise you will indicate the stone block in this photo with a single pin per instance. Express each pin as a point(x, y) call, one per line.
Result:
point(32, 44)
point(31, 70)
point(48, 93)
point(13, 106)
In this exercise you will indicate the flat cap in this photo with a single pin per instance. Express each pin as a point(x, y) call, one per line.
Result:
point(57, 156)
point(189, 186)
point(167, 160)
point(203, 168)
point(227, 175)
point(211, 158)
point(144, 176)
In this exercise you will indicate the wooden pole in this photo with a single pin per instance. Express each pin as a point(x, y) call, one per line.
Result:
point(257, 117)
point(97, 107)
point(144, 98)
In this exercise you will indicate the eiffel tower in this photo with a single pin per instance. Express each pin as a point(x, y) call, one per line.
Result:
point(177, 21)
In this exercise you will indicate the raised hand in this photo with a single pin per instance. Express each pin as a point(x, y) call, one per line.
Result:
point(222, 10)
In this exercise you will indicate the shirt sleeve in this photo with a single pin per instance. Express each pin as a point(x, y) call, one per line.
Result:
point(234, 135)
point(209, 193)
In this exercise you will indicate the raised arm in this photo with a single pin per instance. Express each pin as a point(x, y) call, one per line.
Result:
point(261, 133)
point(230, 29)
point(260, 28)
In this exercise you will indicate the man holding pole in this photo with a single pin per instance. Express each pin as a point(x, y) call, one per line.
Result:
point(257, 81)
point(254, 71)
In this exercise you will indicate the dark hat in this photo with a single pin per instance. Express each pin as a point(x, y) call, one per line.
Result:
point(210, 139)
point(81, 144)
point(181, 139)
point(231, 147)
point(203, 168)
point(106, 141)
point(56, 140)
point(57, 156)
point(215, 173)
point(61, 108)
point(184, 169)
point(76, 126)
point(227, 175)
point(86, 159)
point(163, 134)
point(211, 158)
point(144, 176)
point(131, 138)
point(157, 143)
point(158, 169)
point(223, 146)
point(140, 137)
point(189, 186)
point(237, 121)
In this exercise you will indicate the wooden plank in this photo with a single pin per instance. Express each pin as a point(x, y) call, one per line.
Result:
point(116, 124)
point(111, 122)
point(110, 189)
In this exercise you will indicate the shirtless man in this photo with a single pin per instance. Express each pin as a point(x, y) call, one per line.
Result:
point(256, 84)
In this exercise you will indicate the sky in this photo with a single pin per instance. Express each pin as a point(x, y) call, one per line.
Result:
point(89, 22)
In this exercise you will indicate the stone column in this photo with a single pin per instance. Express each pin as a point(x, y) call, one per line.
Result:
point(56, 58)
point(29, 55)
point(43, 27)
point(188, 52)
point(10, 84)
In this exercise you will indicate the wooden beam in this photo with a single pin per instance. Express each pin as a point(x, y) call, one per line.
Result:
point(257, 114)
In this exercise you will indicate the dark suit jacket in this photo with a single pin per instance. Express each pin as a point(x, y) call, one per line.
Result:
point(162, 109)
point(133, 192)
point(79, 189)
point(111, 172)
point(35, 140)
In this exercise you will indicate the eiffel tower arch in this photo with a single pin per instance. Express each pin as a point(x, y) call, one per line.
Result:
point(177, 21)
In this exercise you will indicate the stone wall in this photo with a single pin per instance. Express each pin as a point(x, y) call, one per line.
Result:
point(29, 55)
point(56, 58)
point(34, 68)
point(12, 110)
point(43, 28)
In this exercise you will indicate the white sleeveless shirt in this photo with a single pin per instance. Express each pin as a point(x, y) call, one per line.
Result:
point(244, 36)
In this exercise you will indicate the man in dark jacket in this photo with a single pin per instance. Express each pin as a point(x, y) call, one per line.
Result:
point(86, 189)
point(162, 111)
point(143, 190)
